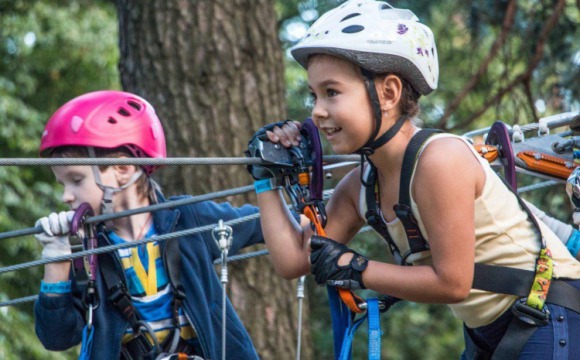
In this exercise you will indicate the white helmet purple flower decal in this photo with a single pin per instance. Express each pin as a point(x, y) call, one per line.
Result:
point(376, 37)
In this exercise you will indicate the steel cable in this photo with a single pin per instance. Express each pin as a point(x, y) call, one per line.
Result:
point(329, 159)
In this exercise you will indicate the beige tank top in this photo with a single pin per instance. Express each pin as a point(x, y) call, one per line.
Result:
point(503, 236)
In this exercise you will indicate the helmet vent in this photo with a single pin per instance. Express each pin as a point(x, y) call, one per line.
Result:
point(353, 29)
point(124, 112)
point(349, 16)
point(112, 120)
point(135, 105)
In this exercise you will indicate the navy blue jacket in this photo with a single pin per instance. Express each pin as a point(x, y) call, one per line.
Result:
point(60, 319)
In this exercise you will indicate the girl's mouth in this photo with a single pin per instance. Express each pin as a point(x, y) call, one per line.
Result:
point(330, 132)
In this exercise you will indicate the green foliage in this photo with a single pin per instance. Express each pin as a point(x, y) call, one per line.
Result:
point(50, 52)
point(54, 50)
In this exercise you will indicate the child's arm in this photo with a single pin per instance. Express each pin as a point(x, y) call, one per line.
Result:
point(287, 240)
point(565, 232)
point(55, 243)
point(58, 325)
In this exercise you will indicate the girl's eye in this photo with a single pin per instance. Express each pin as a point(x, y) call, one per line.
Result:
point(331, 92)
point(77, 180)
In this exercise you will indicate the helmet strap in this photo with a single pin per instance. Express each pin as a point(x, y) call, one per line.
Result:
point(369, 148)
point(109, 191)
point(374, 143)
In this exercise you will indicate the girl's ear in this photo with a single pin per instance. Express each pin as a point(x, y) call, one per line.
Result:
point(389, 89)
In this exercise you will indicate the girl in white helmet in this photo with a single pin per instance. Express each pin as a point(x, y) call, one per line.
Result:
point(367, 65)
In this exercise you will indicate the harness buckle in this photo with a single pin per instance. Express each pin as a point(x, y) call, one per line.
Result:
point(530, 315)
point(117, 293)
point(372, 217)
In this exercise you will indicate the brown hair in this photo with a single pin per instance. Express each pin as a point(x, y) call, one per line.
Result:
point(409, 102)
point(145, 184)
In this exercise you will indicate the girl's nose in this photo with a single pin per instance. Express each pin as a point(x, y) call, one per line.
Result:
point(318, 112)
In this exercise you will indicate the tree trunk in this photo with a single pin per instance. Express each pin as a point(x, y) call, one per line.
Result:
point(213, 70)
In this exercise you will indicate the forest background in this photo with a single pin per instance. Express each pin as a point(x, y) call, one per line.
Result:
point(515, 61)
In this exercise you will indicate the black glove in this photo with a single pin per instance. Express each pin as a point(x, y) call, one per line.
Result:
point(324, 259)
point(260, 147)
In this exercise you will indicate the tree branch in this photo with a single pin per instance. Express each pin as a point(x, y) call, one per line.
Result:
point(534, 61)
point(505, 29)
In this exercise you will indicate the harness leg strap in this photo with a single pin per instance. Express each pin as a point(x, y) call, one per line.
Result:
point(514, 340)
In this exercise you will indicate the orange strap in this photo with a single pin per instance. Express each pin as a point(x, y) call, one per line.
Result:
point(488, 152)
point(347, 296)
point(547, 164)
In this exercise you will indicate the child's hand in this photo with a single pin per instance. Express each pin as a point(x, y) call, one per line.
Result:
point(328, 268)
point(54, 239)
point(286, 133)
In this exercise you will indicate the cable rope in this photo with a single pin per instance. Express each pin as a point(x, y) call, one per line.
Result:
point(145, 209)
point(238, 257)
point(104, 249)
point(550, 122)
point(156, 207)
point(538, 186)
point(101, 218)
point(329, 159)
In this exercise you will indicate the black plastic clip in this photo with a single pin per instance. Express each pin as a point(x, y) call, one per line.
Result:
point(530, 315)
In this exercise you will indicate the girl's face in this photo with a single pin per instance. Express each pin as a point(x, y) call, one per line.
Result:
point(342, 109)
point(79, 185)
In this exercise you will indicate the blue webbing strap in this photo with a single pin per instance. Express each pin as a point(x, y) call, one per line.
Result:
point(87, 342)
point(374, 329)
point(341, 318)
point(344, 329)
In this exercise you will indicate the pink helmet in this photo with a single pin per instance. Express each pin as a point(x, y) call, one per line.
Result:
point(106, 119)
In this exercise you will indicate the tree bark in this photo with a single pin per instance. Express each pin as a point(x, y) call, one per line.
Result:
point(214, 72)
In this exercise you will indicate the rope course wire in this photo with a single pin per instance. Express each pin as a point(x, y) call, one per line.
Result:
point(550, 122)
point(169, 204)
point(329, 159)
point(164, 237)
point(544, 123)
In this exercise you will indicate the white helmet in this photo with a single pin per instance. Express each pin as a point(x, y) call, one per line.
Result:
point(376, 37)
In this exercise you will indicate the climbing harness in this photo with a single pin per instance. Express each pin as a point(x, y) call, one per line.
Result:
point(373, 214)
point(140, 347)
point(535, 288)
point(222, 236)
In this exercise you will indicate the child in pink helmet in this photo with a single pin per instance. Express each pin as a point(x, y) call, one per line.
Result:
point(368, 64)
point(154, 300)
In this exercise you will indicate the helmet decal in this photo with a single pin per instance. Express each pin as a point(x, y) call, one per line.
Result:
point(76, 123)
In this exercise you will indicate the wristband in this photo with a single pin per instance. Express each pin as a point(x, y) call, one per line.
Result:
point(573, 243)
point(61, 287)
point(265, 185)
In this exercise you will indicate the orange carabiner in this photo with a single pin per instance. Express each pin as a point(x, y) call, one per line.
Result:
point(347, 296)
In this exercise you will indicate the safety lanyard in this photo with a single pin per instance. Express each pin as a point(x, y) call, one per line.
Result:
point(306, 196)
point(90, 298)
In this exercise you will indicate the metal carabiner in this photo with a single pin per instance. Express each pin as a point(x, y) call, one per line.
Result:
point(90, 317)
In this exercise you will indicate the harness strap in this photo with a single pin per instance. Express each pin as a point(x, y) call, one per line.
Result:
point(117, 292)
point(517, 335)
point(417, 242)
point(513, 281)
point(119, 296)
point(172, 257)
point(535, 287)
